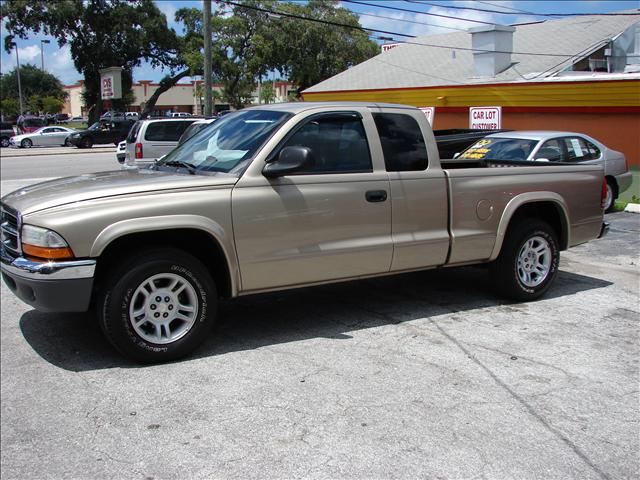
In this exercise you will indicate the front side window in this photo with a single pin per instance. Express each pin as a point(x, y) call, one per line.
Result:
point(552, 151)
point(338, 144)
point(229, 144)
point(402, 142)
point(499, 149)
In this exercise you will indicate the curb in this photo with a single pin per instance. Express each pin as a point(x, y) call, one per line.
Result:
point(72, 151)
point(632, 207)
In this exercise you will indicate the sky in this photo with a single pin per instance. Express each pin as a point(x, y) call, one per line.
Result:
point(58, 60)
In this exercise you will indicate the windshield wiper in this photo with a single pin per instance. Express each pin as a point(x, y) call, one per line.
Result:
point(179, 163)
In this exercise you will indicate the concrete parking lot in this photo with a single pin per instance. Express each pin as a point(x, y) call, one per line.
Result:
point(422, 375)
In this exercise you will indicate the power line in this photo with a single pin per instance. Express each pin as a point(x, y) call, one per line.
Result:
point(416, 11)
point(363, 29)
point(454, 7)
point(409, 21)
point(505, 7)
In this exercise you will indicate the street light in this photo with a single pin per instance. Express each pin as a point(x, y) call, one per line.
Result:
point(42, 43)
point(15, 45)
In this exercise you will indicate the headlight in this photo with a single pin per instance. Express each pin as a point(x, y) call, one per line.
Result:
point(44, 244)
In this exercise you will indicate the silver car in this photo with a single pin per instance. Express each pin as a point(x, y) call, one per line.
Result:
point(553, 146)
point(43, 137)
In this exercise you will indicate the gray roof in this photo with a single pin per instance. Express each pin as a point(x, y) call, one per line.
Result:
point(411, 65)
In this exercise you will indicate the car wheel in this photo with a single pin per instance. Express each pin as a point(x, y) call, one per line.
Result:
point(26, 143)
point(159, 306)
point(610, 198)
point(4, 142)
point(87, 143)
point(528, 262)
point(67, 142)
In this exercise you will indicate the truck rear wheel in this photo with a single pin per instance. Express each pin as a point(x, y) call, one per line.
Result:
point(158, 306)
point(528, 262)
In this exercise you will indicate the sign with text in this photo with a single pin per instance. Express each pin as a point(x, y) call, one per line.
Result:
point(388, 46)
point(111, 83)
point(485, 118)
point(429, 112)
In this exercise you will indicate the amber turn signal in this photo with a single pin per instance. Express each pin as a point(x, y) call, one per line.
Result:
point(47, 253)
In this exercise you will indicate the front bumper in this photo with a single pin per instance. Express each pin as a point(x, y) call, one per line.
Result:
point(50, 286)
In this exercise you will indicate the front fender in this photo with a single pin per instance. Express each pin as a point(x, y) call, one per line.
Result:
point(170, 222)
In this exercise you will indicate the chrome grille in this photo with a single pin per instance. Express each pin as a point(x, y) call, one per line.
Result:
point(10, 231)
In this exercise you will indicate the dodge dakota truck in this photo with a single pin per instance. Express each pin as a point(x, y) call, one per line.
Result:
point(283, 196)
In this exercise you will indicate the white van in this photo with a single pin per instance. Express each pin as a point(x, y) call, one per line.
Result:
point(151, 139)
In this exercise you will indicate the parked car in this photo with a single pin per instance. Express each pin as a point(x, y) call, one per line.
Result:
point(553, 146)
point(62, 118)
point(132, 115)
point(6, 132)
point(43, 137)
point(29, 123)
point(102, 132)
point(121, 151)
point(112, 115)
point(150, 139)
point(194, 128)
point(179, 114)
point(282, 196)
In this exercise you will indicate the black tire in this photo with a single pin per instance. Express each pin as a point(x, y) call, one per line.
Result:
point(86, 142)
point(122, 294)
point(67, 142)
point(506, 271)
point(612, 194)
point(26, 143)
point(4, 142)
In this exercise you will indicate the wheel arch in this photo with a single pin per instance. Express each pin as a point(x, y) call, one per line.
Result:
point(547, 206)
point(202, 238)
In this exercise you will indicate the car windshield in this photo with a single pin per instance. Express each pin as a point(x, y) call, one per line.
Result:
point(500, 149)
point(95, 126)
point(229, 143)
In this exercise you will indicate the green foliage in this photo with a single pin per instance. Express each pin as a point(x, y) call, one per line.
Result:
point(33, 81)
point(52, 105)
point(267, 93)
point(100, 33)
point(9, 107)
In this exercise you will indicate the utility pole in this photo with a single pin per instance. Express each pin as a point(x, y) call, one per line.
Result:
point(15, 45)
point(42, 43)
point(206, 20)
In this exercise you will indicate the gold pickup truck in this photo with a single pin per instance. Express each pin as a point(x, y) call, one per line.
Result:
point(278, 197)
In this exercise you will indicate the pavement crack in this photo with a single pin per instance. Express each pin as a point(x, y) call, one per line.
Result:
point(566, 440)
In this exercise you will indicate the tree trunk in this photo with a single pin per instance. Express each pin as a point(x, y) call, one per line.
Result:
point(165, 84)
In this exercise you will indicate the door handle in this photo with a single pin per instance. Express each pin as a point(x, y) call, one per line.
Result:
point(376, 195)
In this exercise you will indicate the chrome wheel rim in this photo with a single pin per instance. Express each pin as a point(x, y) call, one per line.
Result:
point(608, 198)
point(163, 308)
point(534, 261)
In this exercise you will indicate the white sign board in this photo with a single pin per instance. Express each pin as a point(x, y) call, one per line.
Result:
point(111, 83)
point(388, 46)
point(429, 112)
point(485, 118)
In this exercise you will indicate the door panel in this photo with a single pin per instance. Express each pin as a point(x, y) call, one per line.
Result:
point(295, 231)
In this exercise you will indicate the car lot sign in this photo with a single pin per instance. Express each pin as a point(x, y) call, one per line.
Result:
point(429, 112)
point(111, 83)
point(485, 118)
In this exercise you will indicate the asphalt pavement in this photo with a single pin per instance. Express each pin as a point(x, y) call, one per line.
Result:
point(422, 375)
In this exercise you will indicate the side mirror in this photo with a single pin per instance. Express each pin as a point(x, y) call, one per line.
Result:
point(456, 155)
point(289, 160)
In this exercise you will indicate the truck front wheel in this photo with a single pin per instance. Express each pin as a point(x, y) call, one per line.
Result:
point(528, 262)
point(158, 306)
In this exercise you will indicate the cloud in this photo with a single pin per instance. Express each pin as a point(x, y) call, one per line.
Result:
point(168, 9)
point(29, 53)
point(61, 65)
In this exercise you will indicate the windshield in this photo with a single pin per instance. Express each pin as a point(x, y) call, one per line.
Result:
point(191, 131)
point(229, 143)
point(95, 126)
point(500, 149)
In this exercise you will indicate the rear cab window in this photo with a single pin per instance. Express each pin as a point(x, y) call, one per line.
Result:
point(402, 142)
